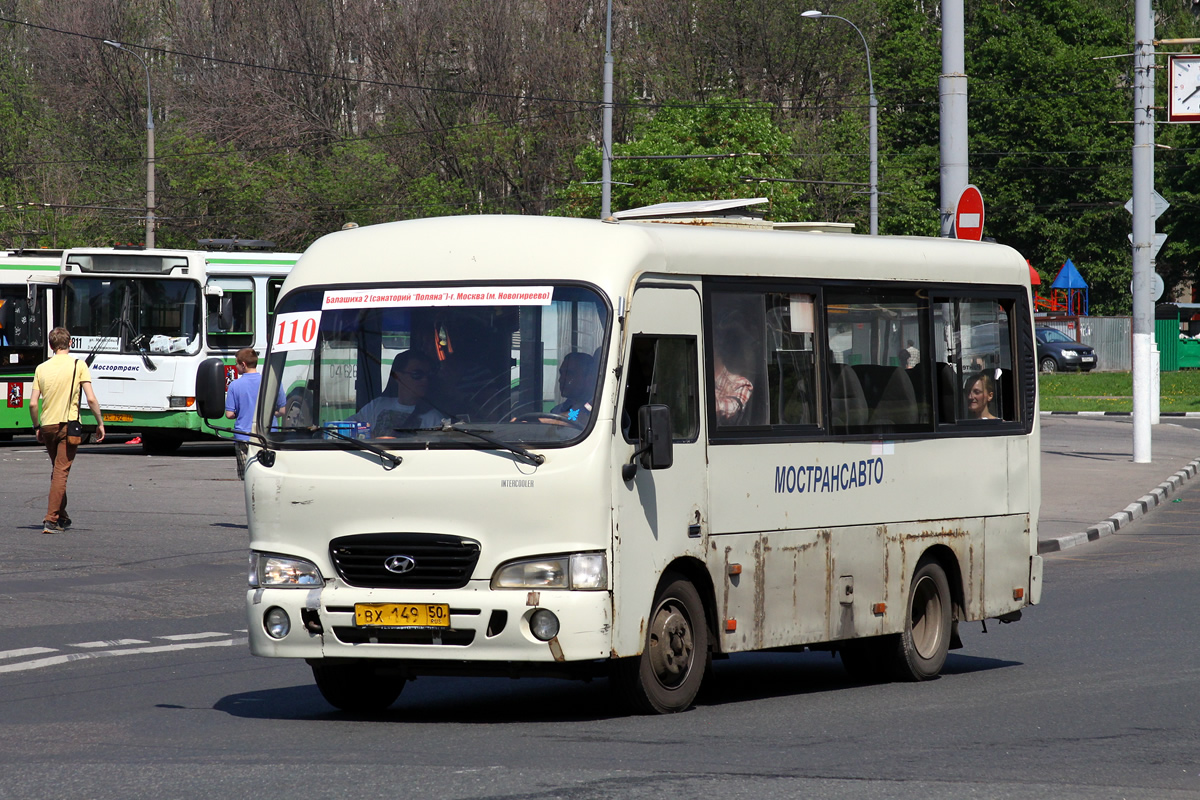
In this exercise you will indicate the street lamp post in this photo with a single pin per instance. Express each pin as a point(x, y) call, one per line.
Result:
point(872, 122)
point(149, 145)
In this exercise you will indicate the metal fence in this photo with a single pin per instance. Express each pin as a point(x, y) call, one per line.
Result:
point(1111, 336)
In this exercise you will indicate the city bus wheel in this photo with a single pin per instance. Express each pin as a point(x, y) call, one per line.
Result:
point(923, 645)
point(669, 672)
point(160, 444)
point(356, 687)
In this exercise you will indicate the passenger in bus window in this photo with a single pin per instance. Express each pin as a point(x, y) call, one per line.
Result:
point(981, 390)
point(914, 355)
point(403, 406)
point(577, 383)
point(732, 392)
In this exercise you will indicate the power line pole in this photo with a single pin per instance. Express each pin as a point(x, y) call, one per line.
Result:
point(952, 97)
point(606, 139)
point(1143, 226)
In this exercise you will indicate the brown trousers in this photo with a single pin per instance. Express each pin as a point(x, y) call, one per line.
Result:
point(62, 455)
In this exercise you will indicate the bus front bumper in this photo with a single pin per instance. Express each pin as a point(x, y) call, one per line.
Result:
point(484, 625)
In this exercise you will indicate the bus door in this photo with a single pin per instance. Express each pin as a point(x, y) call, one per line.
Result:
point(661, 514)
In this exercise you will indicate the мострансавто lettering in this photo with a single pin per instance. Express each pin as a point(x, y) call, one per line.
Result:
point(836, 478)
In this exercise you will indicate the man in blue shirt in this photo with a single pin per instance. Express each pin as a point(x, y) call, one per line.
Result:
point(241, 401)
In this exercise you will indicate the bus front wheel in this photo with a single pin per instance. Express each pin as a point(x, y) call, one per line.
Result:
point(356, 688)
point(925, 641)
point(666, 677)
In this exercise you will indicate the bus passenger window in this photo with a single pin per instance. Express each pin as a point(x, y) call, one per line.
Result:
point(739, 368)
point(231, 315)
point(662, 370)
point(973, 349)
point(791, 359)
point(876, 384)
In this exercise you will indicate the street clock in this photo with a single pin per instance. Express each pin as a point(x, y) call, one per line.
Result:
point(1184, 94)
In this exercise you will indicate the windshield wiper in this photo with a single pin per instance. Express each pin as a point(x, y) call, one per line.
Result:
point(384, 455)
point(536, 459)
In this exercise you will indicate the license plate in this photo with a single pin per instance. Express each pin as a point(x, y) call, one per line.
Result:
point(118, 417)
point(402, 615)
point(1088, 358)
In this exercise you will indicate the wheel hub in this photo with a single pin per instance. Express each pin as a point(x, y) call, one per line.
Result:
point(671, 646)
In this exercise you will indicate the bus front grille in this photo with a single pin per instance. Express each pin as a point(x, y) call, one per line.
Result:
point(404, 560)
point(439, 636)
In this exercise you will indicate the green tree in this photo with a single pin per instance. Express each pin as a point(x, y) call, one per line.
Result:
point(731, 150)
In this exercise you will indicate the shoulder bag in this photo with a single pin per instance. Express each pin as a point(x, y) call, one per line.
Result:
point(74, 426)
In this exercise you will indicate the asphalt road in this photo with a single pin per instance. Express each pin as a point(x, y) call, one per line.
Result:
point(124, 674)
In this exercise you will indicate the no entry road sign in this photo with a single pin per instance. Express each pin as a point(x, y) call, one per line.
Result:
point(968, 215)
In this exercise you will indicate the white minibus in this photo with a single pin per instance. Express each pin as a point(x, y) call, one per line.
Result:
point(554, 447)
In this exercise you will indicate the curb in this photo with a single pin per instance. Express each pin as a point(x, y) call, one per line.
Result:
point(1136, 509)
point(1115, 413)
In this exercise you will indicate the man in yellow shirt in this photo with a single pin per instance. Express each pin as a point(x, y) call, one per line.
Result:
point(54, 384)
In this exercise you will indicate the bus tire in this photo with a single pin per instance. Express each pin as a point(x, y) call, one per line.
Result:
point(668, 674)
point(160, 444)
point(925, 640)
point(356, 687)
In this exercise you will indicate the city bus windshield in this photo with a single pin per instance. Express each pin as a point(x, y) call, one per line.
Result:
point(130, 315)
point(436, 365)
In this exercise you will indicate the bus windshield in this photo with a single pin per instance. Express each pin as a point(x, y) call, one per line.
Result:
point(432, 365)
point(128, 315)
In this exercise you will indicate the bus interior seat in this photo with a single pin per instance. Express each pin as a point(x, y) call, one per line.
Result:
point(847, 402)
point(890, 394)
point(1005, 401)
point(947, 392)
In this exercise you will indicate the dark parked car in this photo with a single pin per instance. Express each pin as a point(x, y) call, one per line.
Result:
point(1057, 351)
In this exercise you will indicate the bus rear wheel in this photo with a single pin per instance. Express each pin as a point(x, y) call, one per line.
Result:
point(666, 677)
point(356, 687)
point(923, 645)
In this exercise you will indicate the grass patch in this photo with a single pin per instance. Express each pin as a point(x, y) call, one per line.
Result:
point(1113, 391)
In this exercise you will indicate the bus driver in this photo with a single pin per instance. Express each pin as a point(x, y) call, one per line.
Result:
point(405, 406)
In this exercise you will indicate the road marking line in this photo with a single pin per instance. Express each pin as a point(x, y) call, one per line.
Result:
point(109, 643)
point(26, 651)
point(68, 657)
point(184, 637)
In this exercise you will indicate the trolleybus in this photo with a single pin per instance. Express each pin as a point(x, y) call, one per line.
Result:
point(27, 283)
point(145, 319)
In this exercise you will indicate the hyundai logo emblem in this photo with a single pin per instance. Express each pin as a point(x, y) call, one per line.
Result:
point(399, 564)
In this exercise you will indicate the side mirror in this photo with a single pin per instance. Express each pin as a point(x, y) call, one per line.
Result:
point(654, 427)
point(210, 388)
point(655, 448)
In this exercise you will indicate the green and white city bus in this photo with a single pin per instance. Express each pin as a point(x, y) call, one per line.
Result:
point(27, 285)
point(145, 319)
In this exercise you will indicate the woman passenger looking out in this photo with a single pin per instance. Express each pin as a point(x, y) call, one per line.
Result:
point(981, 389)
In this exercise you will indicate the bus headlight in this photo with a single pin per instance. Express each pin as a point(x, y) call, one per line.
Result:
point(580, 571)
point(282, 572)
point(276, 622)
point(543, 624)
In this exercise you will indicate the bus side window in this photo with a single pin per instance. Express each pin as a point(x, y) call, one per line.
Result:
point(662, 370)
point(973, 341)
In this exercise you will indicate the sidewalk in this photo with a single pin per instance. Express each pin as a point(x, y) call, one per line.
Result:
point(1090, 485)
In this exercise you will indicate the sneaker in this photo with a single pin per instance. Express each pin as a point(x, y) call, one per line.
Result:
point(51, 527)
point(64, 521)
